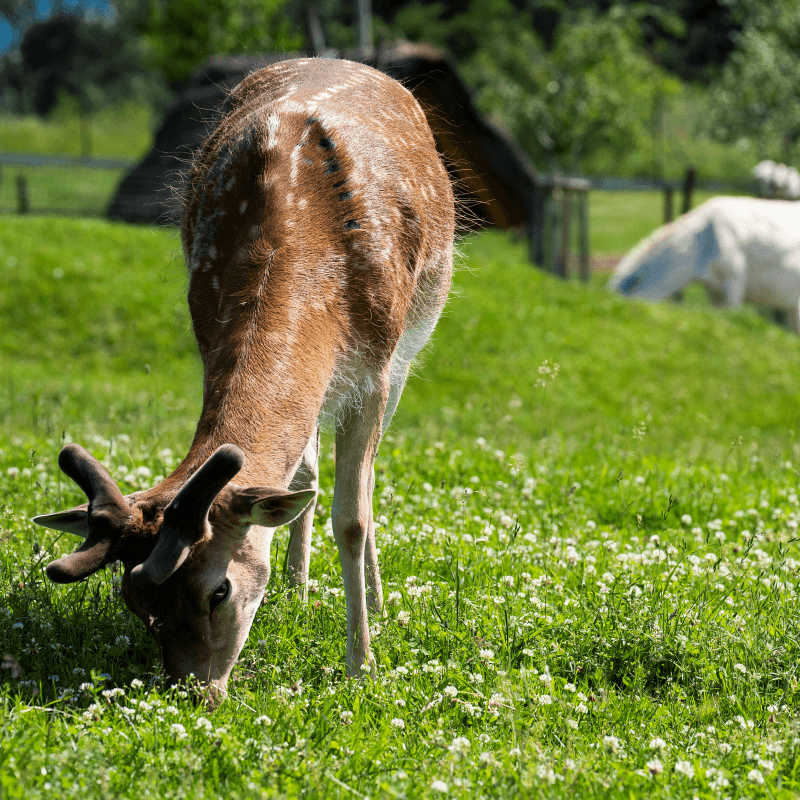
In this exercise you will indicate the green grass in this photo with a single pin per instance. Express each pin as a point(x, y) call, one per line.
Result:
point(123, 131)
point(619, 220)
point(74, 190)
point(680, 140)
point(590, 571)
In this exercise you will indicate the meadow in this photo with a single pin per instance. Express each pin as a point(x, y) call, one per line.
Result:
point(588, 516)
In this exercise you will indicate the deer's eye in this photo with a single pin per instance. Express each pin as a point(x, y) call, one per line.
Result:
point(220, 593)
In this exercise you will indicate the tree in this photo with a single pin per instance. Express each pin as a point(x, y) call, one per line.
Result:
point(758, 94)
point(179, 35)
point(593, 90)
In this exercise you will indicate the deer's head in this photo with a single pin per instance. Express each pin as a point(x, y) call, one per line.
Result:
point(196, 557)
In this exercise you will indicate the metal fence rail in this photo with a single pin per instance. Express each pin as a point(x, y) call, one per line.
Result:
point(47, 184)
point(558, 230)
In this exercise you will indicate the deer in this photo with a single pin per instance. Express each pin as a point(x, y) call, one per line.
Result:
point(317, 228)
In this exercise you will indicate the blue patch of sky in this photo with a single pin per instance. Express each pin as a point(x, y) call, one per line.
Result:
point(10, 37)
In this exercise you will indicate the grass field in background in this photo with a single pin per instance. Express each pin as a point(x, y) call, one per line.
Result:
point(122, 131)
point(617, 220)
point(588, 510)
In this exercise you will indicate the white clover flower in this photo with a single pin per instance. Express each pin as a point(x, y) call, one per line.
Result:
point(515, 752)
point(487, 758)
point(439, 786)
point(755, 776)
point(569, 687)
point(460, 745)
point(398, 724)
point(450, 691)
point(401, 670)
point(684, 768)
point(347, 717)
point(475, 677)
point(528, 652)
point(395, 598)
point(657, 743)
point(403, 618)
point(766, 764)
point(136, 684)
point(545, 700)
point(178, 730)
point(486, 654)
point(741, 667)
point(203, 724)
point(612, 743)
point(654, 767)
point(545, 678)
point(122, 640)
point(582, 708)
point(572, 723)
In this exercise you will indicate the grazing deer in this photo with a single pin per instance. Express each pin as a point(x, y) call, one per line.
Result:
point(318, 232)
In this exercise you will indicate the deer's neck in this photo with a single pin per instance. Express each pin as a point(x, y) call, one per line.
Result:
point(269, 356)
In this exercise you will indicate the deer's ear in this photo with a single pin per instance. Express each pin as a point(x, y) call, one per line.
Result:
point(268, 507)
point(75, 521)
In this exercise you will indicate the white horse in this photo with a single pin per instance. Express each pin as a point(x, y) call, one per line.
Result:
point(739, 248)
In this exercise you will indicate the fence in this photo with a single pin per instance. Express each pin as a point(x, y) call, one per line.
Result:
point(551, 224)
point(558, 225)
point(45, 184)
point(551, 228)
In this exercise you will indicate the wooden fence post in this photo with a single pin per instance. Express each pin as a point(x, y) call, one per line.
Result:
point(583, 234)
point(23, 202)
point(563, 266)
point(688, 188)
point(536, 226)
point(552, 230)
point(667, 203)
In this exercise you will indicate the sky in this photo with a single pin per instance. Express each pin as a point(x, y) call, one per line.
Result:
point(9, 38)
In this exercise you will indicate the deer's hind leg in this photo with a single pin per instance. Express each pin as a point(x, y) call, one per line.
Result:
point(357, 439)
point(301, 530)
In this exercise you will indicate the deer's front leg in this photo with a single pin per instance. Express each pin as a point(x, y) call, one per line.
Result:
point(356, 445)
point(301, 530)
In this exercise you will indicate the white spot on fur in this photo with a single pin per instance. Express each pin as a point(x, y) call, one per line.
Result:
point(273, 122)
point(302, 203)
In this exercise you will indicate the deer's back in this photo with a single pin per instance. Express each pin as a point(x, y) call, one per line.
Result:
point(319, 201)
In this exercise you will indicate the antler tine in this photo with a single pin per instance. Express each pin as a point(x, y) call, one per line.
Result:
point(85, 561)
point(108, 511)
point(185, 516)
point(79, 464)
point(195, 497)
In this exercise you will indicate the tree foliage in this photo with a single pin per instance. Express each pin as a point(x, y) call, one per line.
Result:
point(758, 94)
point(179, 35)
point(594, 89)
point(91, 61)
